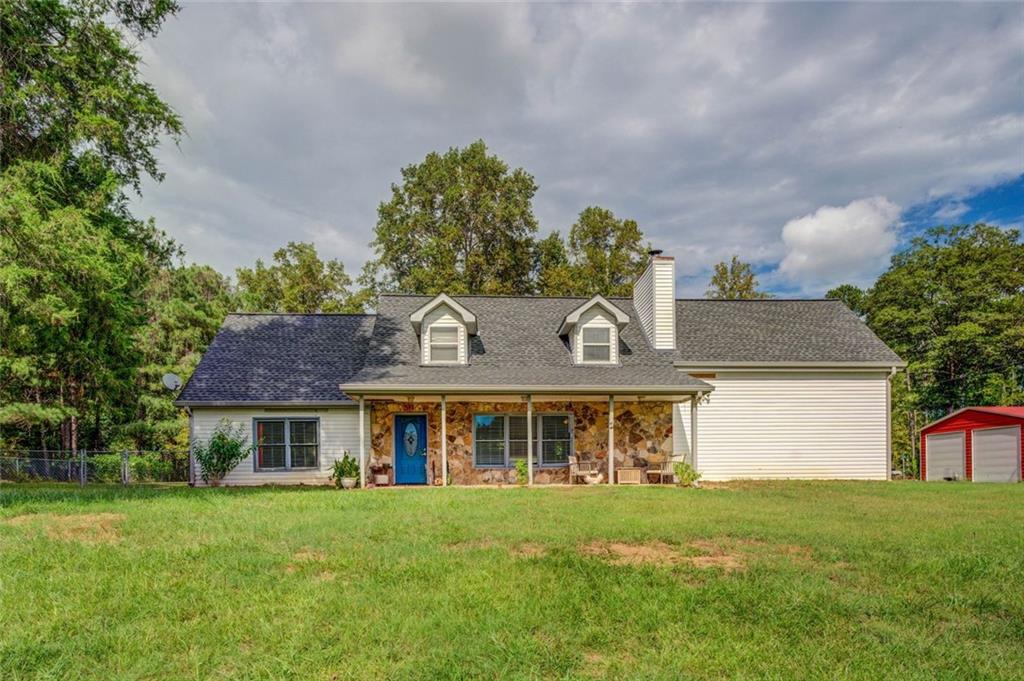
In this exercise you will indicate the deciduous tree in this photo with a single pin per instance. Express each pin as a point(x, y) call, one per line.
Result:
point(607, 253)
point(734, 280)
point(459, 222)
point(298, 281)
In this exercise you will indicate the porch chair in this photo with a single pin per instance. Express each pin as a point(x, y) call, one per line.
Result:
point(581, 469)
point(661, 472)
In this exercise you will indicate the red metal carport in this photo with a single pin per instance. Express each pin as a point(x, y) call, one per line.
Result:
point(968, 423)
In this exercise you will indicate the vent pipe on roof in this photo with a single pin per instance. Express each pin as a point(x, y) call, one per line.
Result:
point(654, 297)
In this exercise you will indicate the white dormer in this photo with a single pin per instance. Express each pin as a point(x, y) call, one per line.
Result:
point(444, 327)
point(593, 331)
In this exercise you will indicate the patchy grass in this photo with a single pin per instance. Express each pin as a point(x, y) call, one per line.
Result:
point(861, 580)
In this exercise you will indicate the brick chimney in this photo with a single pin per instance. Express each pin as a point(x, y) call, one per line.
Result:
point(654, 297)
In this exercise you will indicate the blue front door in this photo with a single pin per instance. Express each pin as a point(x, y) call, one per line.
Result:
point(411, 450)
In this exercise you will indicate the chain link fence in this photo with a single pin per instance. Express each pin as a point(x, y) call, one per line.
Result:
point(93, 467)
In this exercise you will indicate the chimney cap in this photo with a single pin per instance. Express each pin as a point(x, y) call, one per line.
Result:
point(655, 252)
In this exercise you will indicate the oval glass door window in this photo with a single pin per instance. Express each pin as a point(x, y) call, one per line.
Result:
point(410, 439)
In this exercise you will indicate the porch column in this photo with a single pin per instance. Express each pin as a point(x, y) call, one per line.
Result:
point(529, 439)
point(362, 442)
point(693, 429)
point(444, 440)
point(611, 439)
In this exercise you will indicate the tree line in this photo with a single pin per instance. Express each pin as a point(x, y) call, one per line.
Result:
point(96, 304)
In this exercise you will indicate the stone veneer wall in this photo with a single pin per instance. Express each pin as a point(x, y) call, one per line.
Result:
point(643, 434)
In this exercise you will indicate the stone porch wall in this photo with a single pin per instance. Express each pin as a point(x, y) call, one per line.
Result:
point(643, 434)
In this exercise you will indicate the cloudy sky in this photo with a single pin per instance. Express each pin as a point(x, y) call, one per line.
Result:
point(809, 139)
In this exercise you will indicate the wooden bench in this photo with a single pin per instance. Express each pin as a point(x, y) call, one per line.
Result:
point(630, 476)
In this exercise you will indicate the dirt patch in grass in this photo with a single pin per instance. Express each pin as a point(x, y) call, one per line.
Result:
point(529, 550)
point(476, 545)
point(309, 556)
point(650, 553)
point(87, 528)
point(723, 553)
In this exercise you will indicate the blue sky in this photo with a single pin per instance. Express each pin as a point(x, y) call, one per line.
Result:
point(809, 139)
point(1002, 204)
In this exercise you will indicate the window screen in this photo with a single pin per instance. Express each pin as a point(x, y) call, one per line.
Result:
point(287, 444)
point(489, 440)
point(597, 345)
point(500, 440)
point(271, 445)
point(444, 344)
point(556, 439)
point(304, 446)
point(517, 438)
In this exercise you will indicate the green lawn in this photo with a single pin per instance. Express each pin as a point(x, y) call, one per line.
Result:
point(753, 580)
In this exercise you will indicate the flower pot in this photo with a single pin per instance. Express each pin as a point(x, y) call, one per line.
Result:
point(348, 483)
point(381, 479)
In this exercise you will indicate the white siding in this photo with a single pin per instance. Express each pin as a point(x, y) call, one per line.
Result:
point(654, 299)
point(442, 315)
point(596, 317)
point(825, 425)
point(339, 431)
point(665, 304)
point(643, 301)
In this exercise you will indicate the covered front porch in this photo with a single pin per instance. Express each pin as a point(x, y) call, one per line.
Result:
point(481, 439)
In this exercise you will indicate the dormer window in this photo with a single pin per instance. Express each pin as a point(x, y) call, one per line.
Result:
point(597, 344)
point(444, 345)
point(443, 326)
point(593, 331)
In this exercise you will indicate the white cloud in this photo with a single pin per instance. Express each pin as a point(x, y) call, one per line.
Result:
point(951, 211)
point(710, 124)
point(835, 245)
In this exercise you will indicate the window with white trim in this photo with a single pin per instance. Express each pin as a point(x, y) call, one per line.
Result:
point(597, 344)
point(287, 444)
point(444, 344)
point(499, 440)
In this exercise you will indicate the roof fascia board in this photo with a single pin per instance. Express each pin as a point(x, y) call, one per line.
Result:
point(468, 318)
point(983, 410)
point(372, 388)
point(787, 366)
point(573, 318)
point(264, 403)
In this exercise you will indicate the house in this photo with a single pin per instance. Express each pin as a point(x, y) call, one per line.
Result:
point(982, 444)
point(473, 384)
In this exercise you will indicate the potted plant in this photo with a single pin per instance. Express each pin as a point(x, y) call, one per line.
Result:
point(381, 477)
point(345, 472)
point(225, 449)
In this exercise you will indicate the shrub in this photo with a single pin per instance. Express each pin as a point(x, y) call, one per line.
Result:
point(223, 452)
point(151, 467)
point(522, 473)
point(104, 467)
point(345, 467)
point(686, 475)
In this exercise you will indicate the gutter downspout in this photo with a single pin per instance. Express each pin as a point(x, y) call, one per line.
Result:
point(888, 423)
point(693, 428)
point(191, 445)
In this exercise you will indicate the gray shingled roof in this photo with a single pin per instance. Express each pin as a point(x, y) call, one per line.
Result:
point(280, 358)
point(304, 358)
point(779, 331)
point(517, 345)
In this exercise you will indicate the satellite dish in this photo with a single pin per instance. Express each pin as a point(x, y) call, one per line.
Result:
point(171, 381)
